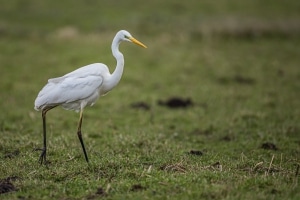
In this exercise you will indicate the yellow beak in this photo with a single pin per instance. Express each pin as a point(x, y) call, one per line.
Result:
point(135, 41)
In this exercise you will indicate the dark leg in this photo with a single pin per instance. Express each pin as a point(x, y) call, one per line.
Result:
point(42, 158)
point(80, 136)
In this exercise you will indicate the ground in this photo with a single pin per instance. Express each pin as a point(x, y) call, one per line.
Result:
point(210, 110)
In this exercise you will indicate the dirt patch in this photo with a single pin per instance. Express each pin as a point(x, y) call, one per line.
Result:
point(12, 154)
point(227, 138)
point(6, 184)
point(140, 105)
point(269, 146)
point(176, 102)
point(196, 152)
point(137, 187)
point(99, 193)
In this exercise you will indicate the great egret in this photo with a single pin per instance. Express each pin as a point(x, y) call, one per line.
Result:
point(81, 87)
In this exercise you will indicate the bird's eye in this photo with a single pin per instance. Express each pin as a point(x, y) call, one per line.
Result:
point(126, 36)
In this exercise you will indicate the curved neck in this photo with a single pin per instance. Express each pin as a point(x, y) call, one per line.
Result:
point(117, 74)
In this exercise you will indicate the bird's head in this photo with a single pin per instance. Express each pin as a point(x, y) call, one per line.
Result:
point(126, 36)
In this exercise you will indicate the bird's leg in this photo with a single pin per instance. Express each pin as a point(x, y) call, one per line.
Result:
point(80, 136)
point(42, 158)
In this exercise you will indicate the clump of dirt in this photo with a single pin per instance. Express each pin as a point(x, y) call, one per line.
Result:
point(140, 105)
point(6, 185)
point(227, 138)
point(196, 152)
point(176, 102)
point(137, 187)
point(12, 154)
point(99, 193)
point(269, 146)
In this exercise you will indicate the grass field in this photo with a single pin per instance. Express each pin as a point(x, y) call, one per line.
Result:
point(238, 62)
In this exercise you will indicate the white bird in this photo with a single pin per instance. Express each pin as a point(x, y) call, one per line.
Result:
point(82, 87)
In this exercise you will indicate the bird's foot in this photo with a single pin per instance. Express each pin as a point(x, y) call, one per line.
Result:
point(42, 158)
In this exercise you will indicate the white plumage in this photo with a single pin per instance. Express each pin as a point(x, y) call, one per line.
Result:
point(74, 90)
point(82, 87)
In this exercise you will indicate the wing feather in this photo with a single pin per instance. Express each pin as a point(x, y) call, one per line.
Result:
point(78, 85)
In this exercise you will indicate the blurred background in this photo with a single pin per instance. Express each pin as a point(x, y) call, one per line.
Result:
point(193, 47)
point(191, 18)
point(237, 63)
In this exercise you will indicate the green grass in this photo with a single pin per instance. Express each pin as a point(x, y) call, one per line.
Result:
point(237, 61)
